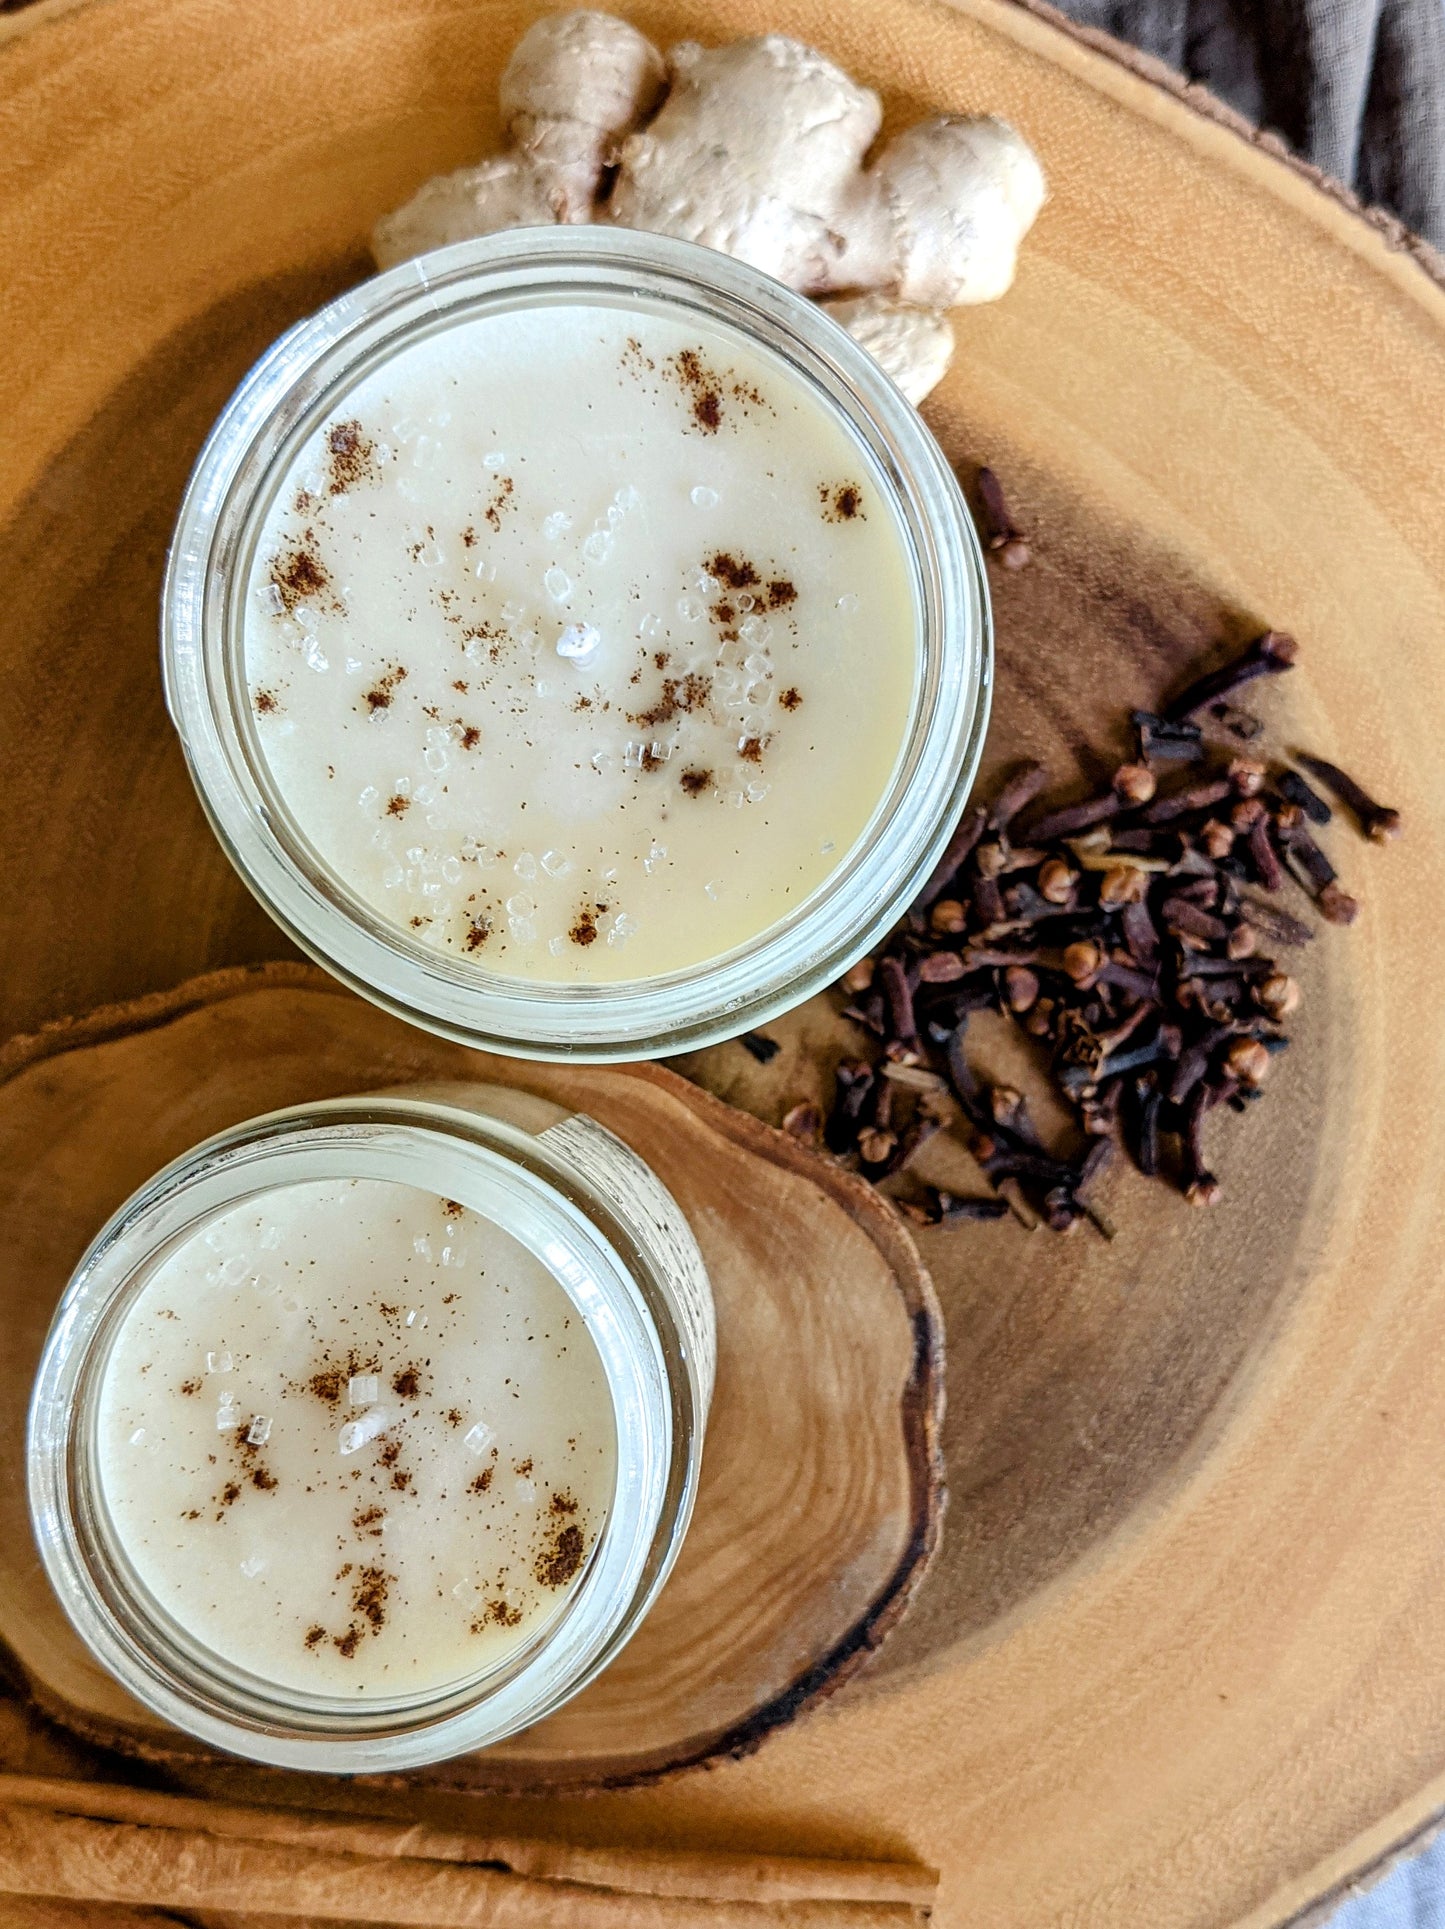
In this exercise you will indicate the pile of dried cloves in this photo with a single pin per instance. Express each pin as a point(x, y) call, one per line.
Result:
point(1132, 935)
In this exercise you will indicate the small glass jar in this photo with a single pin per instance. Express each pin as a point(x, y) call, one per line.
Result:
point(610, 1236)
point(300, 384)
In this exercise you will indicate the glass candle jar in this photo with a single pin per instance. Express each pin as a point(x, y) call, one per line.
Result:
point(366, 1433)
point(578, 644)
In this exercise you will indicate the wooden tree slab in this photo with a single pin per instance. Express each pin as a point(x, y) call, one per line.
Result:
point(1181, 1661)
point(821, 1494)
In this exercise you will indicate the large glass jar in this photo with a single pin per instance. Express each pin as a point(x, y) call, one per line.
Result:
point(780, 918)
point(197, 1424)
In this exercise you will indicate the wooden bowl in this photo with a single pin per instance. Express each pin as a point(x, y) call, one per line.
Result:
point(1179, 1661)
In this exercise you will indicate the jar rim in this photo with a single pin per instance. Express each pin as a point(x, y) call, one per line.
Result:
point(285, 394)
point(498, 1169)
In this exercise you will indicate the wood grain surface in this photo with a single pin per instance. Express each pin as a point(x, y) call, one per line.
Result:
point(820, 1499)
point(1178, 1662)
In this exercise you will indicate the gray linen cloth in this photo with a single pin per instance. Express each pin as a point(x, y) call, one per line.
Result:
point(1355, 86)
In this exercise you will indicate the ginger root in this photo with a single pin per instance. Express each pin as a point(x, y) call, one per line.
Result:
point(758, 149)
point(576, 83)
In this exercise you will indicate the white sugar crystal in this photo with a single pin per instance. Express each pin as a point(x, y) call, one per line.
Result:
point(479, 1437)
point(655, 855)
point(138, 1437)
point(579, 641)
point(526, 1493)
point(424, 451)
point(558, 584)
point(521, 906)
point(363, 1390)
point(556, 946)
point(689, 609)
point(556, 524)
point(623, 928)
point(271, 600)
point(253, 1565)
point(627, 497)
point(598, 546)
point(270, 1239)
point(227, 1416)
point(713, 888)
point(755, 630)
point(233, 1271)
point(525, 866)
point(757, 792)
point(222, 1362)
point(259, 1431)
point(848, 603)
point(651, 626)
point(468, 1593)
point(356, 1433)
point(556, 863)
point(494, 459)
point(523, 930)
point(703, 497)
point(827, 846)
point(410, 1319)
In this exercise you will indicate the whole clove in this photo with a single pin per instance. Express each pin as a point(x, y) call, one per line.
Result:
point(1075, 817)
point(899, 996)
point(1318, 876)
point(1262, 851)
point(763, 1048)
point(952, 1208)
point(1020, 790)
point(1377, 821)
point(1293, 788)
point(970, 830)
point(1000, 534)
point(1267, 655)
point(1201, 1188)
point(1183, 803)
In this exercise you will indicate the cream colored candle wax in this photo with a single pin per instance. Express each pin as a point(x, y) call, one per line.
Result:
point(580, 643)
point(356, 1440)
